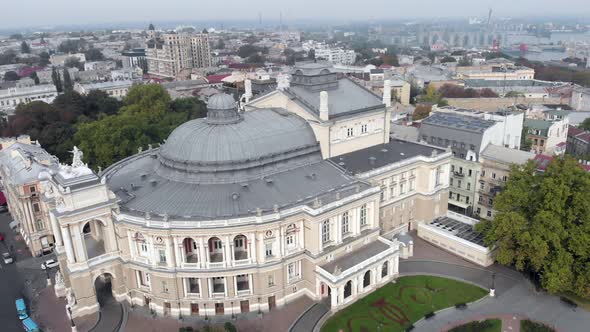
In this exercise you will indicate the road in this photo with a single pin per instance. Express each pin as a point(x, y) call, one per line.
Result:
point(21, 279)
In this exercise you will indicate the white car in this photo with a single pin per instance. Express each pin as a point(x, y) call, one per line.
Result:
point(6, 258)
point(50, 263)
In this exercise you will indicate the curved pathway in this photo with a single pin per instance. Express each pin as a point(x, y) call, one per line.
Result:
point(515, 296)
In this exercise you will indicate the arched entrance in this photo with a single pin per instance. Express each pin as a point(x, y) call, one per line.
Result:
point(103, 287)
point(93, 232)
point(367, 279)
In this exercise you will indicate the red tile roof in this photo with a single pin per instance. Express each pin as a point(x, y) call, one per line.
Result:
point(215, 79)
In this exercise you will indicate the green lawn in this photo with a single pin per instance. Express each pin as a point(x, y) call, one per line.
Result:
point(395, 306)
point(488, 325)
point(530, 326)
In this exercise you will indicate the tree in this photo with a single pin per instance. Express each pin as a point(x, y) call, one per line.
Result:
point(68, 84)
point(255, 58)
point(11, 76)
point(35, 77)
point(25, 48)
point(585, 124)
point(44, 59)
point(447, 59)
point(93, 54)
point(421, 111)
point(73, 62)
point(432, 96)
point(311, 54)
point(525, 142)
point(248, 50)
point(8, 57)
point(56, 78)
point(220, 44)
point(542, 225)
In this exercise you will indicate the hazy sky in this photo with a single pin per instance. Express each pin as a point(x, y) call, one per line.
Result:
point(22, 13)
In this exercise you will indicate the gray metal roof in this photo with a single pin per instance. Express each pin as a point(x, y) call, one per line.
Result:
point(19, 168)
point(459, 229)
point(458, 121)
point(345, 98)
point(378, 156)
point(358, 256)
point(506, 155)
point(140, 188)
point(263, 137)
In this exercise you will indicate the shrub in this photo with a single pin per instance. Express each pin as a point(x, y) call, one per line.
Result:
point(474, 326)
point(429, 315)
point(530, 326)
point(229, 327)
point(461, 306)
point(409, 328)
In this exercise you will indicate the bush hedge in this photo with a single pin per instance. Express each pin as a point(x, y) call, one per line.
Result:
point(530, 326)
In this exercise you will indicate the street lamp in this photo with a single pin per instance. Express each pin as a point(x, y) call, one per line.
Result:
point(493, 287)
point(233, 317)
point(259, 310)
point(47, 274)
point(72, 324)
point(206, 317)
point(179, 311)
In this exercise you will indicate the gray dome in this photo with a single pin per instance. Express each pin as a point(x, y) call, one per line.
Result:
point(262, 141)
point(221, 101)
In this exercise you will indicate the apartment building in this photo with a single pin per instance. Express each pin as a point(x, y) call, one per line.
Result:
point(548, 135)
point(170, 54)
point(10, 98)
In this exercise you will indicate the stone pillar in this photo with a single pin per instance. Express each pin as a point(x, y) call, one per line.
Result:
point(177, 251)
point(250, 283)
point(56, 230)
point(68, 244)
point(169, 256)
point(320, 243)
point(78, 242)
point(334, 297)
point(281, 242)
point(301, 236)
point(338, 236)
point(324, 106)
point(252, 248)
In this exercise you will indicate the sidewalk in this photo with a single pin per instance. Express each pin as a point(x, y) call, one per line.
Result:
point(51, 314)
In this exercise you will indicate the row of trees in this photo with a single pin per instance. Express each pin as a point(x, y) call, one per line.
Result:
point(106, 129)
point(456, 91)
point(542, 225)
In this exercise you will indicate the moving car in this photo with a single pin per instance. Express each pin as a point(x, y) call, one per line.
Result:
point(30, 326)
point(6, 258)
point(49, 264)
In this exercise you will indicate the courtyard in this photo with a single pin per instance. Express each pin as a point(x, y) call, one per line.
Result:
point(398, 305)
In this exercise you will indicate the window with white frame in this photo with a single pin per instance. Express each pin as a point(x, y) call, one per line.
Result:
point(345, 223)
point(290, 239)
point(412, 185)
point(349, 132)
point(39, 225)
point(268, 249)
point(392, 192)
point(293, 271)
point(143, 248)
point(162, 254)
point(363, 129)
point(143, 278)
point(164, 287)
point(402, 189)
point(363, 217)
point(326, 231)
point(193, 286)
point(438, 176)
point(271, 280)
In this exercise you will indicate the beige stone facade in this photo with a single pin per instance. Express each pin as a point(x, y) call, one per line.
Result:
point(169, 54)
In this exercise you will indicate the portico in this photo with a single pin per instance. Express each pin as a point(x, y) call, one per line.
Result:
point(351, 276)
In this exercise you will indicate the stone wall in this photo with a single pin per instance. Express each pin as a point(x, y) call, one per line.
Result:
point(493, 104)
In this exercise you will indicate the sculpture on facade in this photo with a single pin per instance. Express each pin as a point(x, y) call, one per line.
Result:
point(71, 298)
point(77, 157)
point(283, 82)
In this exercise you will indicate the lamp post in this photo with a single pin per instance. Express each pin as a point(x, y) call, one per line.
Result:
point(493, 287)
point(259, 310)
point(47, 274)
point(206, 316)
point(233, 316)
point(72, 324)
point(179, 311)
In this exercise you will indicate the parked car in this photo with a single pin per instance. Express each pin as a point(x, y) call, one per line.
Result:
point(7, 258)
point(49, 264)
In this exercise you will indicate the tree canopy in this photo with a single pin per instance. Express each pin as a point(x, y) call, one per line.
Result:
point(542, 225)
point(147, 117)
point(585, 124)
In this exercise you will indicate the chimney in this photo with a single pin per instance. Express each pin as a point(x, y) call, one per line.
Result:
point(324, 106)
point(248, 87)
point(387, 93)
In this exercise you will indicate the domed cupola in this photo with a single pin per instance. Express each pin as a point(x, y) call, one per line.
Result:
point(222, 109)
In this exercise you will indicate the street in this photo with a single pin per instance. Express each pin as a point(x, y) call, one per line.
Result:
point(23, 278)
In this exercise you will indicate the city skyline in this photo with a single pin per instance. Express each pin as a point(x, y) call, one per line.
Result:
point(60, 12)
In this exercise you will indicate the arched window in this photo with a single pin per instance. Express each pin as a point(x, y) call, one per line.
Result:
point(384, 270)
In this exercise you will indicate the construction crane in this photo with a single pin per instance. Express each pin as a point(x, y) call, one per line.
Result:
point(489, 18)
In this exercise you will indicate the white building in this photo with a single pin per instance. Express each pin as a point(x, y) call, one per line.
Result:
point(12, 97)
point(117, 89)
point(580, 98)
point(333, 55)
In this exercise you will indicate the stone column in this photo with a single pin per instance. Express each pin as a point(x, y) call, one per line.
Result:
point(176, 251)
point(78, 242)
point(68, 244)
point(281, 242)
point(301, 236)
point(320, 243)
point(338, 236)
point(56, 230)
point(334, 297)
point(250, 283)
point(169, 256)
point(252, 248)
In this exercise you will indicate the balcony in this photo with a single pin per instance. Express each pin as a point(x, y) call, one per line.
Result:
point(215, 265)
point(459, 175)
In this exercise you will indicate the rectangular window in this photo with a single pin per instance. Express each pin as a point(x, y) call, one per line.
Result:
point(470, 172)
point(363, 129)
point(349, 132)
point(345, 223)
point(143, 249)
point(164, 287)
point(490, 201)
point(162, 253)
point(481, 199)
point(392, 192)
point(468, 186)
point(459, 184)
point(451, 181)
point(290, 239)
point(268, 249)
point(489, 214)
point(438, 176)
point(326, 231)
point(364, 215)
point(467, 199)
point(478, 211)
point(493, 175)
point(36, 207)
point(402, 190)
point(293, 271)
point(144, 278)
point(32, 189)
point(39, 225)
point(193, 286)
point(382, 196)
point(271, 280)
point(412, 185)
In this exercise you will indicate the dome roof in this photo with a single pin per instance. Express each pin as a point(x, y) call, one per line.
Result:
point(221, 101)
point(242, 149)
